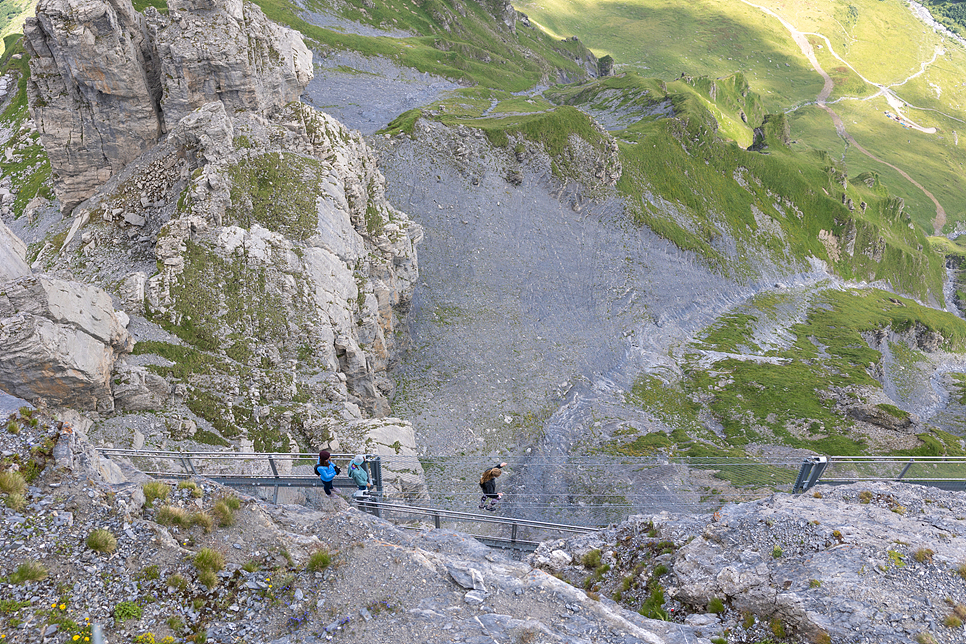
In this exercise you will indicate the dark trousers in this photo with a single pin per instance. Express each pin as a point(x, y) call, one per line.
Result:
point(327, 486)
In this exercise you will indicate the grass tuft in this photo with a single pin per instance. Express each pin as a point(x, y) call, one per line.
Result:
point(28, 571)
point(155, 491)
point(101, 540)
point(12, 482)
point(319, 560)
point(208, 559)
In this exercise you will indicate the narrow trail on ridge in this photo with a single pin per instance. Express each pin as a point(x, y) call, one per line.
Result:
point(801, 40)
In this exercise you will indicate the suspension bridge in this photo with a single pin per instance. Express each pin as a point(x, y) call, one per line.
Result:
point(601, 491)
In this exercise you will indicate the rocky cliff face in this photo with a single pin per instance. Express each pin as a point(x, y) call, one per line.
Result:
point(868, 562)
point(247, 235)
point(106, 83)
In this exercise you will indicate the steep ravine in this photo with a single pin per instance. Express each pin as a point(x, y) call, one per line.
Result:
point(532, 319)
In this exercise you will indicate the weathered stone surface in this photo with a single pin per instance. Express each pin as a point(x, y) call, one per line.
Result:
point(82, 306)
point(107, 83)
point(58, 363)
point(59, 341)
point(13, 254)
point(137, 389)
point(93, 90)
point(228, 51)
point(867, 562)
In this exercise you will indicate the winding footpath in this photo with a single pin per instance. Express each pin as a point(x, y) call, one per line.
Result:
point(801, 39)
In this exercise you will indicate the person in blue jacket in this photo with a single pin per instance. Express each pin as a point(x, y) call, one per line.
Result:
point(326, 471)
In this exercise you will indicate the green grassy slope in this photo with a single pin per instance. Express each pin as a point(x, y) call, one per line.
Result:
point(759, 199)
point(12, 15)
point(880, 41)
point(467, 42)
point(762, 392)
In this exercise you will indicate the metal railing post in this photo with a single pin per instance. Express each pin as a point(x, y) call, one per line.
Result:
point(808, 474)
point(271, 462)
point(186, 463)
point(375, 463)
point(513, 535)
point(803, 471)
point(821, 462)
point(905, 469)
point(436, 521)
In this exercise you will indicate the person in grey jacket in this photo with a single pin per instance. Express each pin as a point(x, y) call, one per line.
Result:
point(488, 484)
point(357, 472)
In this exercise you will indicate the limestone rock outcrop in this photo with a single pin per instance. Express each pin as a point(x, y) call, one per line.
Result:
point(59, 342)
point(867, 562)
point(13, 255)
point(106, 83)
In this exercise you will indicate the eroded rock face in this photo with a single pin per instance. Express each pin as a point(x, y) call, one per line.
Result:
point(289, 241)
point(13, 253)
point(226, 50)
point(106, 83)
point(59, 341)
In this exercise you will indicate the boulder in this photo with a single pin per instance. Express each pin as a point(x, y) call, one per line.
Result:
point(13, 255)
point(59, 341)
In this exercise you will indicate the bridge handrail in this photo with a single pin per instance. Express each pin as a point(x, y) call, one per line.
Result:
point(111, 451)
point(482, 518)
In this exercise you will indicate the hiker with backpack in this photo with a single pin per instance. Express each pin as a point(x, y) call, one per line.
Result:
point(357, 472)
point(488, 484)
point(326, 471)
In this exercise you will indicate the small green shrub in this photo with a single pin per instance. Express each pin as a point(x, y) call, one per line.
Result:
point(177, 581)
point(149, 573)
point(865, 497)
point(653, 606)
point(747, 619)
point(814, 583)
point(11, 606)
point(155, 491)
point(592, 558)
point(208, 559)
point(715, 605)
point(777, 628)
point(718, 640)
point(187, 485)
point(12, 482)
point(168, 515)
point(961, 570)
point(127, 610)
point(28, 571)
point(821, 637)
point(175, 623)
point(319, 560)
point(203, 520)
point(952, 621)
point(223, 513)
point(13, 427)
point(16, 502)
point(208, 578)
point(101, 540)
point(960, 611)
point(817, 495)
point(251, 565)
point(925, 638)
point(923, 555)
point(776, 552)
